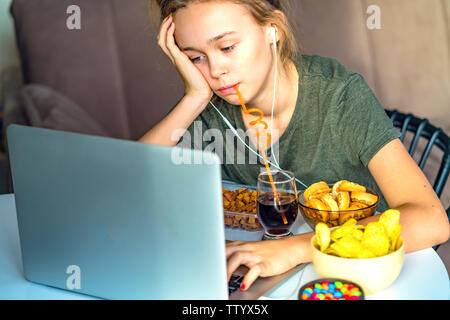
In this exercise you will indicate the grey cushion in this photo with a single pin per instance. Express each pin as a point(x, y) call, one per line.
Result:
point(112, 67)
point(47, 108)
point(13, 111)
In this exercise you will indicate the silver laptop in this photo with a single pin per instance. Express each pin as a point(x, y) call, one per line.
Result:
point(118, 219)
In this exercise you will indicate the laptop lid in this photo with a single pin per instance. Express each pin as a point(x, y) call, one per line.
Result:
point(118, 219)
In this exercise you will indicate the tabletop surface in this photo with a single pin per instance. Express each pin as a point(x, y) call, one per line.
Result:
point(423, 275)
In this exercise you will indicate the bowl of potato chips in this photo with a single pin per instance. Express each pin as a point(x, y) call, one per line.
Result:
point(334, 204)
point(370, 255)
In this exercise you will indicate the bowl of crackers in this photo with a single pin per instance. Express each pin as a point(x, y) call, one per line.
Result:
point(334, 204)
point(239, 206)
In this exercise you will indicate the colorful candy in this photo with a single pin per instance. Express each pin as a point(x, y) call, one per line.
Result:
point(327, 290)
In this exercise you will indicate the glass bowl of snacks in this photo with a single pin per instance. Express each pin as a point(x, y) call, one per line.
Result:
point(334, 204)
point(371, 256)
point(239, 204)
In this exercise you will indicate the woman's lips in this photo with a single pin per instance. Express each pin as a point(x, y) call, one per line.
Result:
point(229, 90)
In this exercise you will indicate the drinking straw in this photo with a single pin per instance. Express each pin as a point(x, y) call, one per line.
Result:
point(263, 152)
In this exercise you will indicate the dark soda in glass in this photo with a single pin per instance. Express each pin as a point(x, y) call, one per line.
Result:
point(270, 212)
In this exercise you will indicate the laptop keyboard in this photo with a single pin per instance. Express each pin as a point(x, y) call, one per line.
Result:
point(234, 283)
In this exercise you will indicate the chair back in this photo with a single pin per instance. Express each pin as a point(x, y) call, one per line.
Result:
point(435, 136)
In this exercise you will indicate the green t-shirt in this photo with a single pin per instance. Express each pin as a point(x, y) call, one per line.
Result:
point(337, 127)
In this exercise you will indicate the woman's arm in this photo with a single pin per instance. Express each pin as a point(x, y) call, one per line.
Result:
point(197, 92)
point(169, 130)
point(404, 186)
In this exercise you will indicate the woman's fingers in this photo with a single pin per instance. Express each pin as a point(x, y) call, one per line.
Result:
point(253, 274)
point(167, 42)
point(195, 83)
point(248, 259)
point(175, 52)
point(238, 258)
point(163, 36)
point(234, 262)
point(233, 247)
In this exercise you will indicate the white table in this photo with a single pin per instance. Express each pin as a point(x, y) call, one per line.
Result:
point(423, 276)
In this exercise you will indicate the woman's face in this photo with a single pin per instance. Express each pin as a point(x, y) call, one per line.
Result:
point(242, 55)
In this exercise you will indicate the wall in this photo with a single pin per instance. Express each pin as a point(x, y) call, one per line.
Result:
point(406, 62)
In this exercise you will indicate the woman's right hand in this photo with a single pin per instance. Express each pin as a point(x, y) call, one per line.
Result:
point(195, 83)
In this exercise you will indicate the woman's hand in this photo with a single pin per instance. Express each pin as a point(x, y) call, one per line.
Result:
point(266, 258)
point(196, 85)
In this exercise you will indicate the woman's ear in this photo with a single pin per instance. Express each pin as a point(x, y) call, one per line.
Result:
point(273, 34)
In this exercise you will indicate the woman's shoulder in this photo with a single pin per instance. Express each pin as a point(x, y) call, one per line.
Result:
point(324, 67)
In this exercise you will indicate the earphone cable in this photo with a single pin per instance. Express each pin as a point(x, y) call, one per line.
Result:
point(245, 144)
point(274, 96)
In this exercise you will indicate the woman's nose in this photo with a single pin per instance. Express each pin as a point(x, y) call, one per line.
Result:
point(217, 67)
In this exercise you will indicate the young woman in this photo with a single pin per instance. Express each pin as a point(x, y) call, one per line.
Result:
point(330, 125)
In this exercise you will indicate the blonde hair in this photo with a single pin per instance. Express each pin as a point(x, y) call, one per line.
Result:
point(263, 11)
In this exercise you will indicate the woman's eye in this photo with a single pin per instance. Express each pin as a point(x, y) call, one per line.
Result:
point(228, 49)
point(195, 60)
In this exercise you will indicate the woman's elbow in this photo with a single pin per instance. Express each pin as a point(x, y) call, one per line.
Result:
point(441, 232)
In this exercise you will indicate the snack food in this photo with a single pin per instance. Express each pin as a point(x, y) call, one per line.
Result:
point(240, 209)
point(241, 200)
point(334, 206)
point(331, 289)
point(318, 187)
point(364, 198)
point(376, 239)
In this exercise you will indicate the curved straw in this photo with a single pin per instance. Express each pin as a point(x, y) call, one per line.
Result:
point(263, 151)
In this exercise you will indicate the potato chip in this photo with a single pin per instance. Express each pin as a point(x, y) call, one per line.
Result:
point(399, 243)
point(375, 239)
point(353, 234)
point(390, 219)
point(323, 235)
point(331, 251)
point(340, 250)
point(357, 234)
point(347, 247)
point(342, 230)
point(394, 237)
point(365, 254)
point(354, 246)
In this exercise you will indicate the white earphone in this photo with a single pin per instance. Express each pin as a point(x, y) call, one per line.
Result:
point(273, 31)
